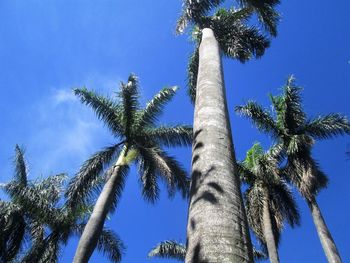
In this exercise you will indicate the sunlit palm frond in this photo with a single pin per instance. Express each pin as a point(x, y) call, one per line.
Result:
point(193, 11)
point(259, 116)
point(169, 249)
point(105, 109)
point(171, 136)
point(294, 116)
point(129, 96)
point(192, 72)
point(154, 107)
point(326, 127)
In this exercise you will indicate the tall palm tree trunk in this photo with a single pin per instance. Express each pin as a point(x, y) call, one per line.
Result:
point(94, 226)
point(325, 236)
point(217, 229)
point(268, 233)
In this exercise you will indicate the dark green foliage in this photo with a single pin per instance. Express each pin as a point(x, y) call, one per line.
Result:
point(140, 141)
point(33, 226)
point(296, 134)
point(261, 172)
point(194, 11)
point(237, 40)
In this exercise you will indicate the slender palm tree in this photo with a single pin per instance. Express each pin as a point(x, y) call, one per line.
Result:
point(290, 128)
point(138, 140)
point(33, 215)
point(217, 229)
point(268, 200)
point(174, 250)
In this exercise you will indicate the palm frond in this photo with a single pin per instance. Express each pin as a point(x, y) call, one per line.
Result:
point(80, 185)
point(236, 39)
point(326, 127)
point(20, 166)
point(148, 176)
point(167, 168)
point(111, 245)
point(284, 203)
point(155, 107)
point(266, 12)
point(171, 136)
point(294, 116)
point(169, 249)
point(106, 110)
point(129, 96)
point(12, 225)
point(193, 11)
point(192, 72)
point(260, 117)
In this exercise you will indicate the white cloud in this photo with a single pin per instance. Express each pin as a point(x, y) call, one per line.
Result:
point(63, 95)
point(65, 131)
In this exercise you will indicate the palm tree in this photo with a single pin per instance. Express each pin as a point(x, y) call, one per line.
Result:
point(33, 211)
point(297, 134)
point(268, 200)
point(140, 141)
point(217, 229)
point(174, 250)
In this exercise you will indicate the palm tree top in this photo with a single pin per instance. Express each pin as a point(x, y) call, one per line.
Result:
point(236, 39)
point(260, 171)
point(194, 11)
point(290, 127)
point(34, 211)
point(139, 135)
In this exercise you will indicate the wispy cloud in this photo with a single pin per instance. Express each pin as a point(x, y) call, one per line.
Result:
point(66, 132)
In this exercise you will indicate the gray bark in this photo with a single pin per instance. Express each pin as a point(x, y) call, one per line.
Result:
point(217, 229)
point(325, 236)
point(268, 233)
point(94, 226)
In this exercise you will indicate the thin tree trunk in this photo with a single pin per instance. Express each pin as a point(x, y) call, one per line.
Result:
point(217, 229)
point(268, 233)
point(94, 226)
point(325, 236)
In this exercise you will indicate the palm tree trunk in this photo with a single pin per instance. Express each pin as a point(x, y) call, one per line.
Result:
point(325, 236)
point(217, 229)
point(268, 233)
point(94, 226)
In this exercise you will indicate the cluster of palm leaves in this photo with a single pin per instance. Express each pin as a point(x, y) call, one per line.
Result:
point(34, 223)
point(40, 216)
point(39, 211)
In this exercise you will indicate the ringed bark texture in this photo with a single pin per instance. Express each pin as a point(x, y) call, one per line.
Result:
point(325, 236)
point(94, 226)
point(217, 230)
point(268, 233)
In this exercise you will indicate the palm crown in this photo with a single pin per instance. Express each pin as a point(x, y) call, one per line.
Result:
point(261, 172)
point(236, 39)
point(33, 214)
point(290, 127)
point(194, 11)
point(139, 139)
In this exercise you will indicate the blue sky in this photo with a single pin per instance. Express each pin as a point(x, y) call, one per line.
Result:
point(49, 47)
